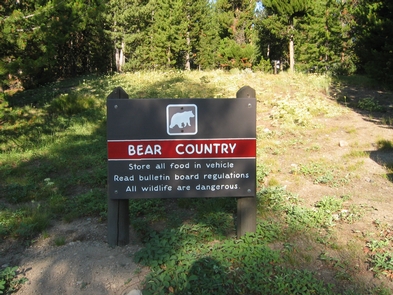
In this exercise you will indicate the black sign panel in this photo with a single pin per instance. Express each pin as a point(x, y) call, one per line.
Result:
point(167, 148)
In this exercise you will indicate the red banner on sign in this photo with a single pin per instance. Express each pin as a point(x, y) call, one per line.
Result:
point(181, 149)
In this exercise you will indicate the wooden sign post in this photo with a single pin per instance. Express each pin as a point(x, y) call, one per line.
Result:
point(247, 206)
point(118, 210)
point(180, 148)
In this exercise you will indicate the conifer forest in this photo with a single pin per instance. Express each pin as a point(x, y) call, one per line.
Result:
point(45, 40)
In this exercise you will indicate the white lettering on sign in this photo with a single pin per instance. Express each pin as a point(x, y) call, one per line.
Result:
point(141, 150)
point(138, 166)
point(216, 187)
point(180, 166)
point(123, 178)
point(205, 148)
point(157, 188)
point(187, 177)
point(220, 165)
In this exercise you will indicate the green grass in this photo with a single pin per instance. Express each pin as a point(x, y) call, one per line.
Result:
point(53, 167)
point(244, 266)
point(357, 81)
point(380, 250)
point(60, 241)
point(322, 172)
point(385, 145)
point(198, 257)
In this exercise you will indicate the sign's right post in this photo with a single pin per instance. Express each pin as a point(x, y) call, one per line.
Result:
point(246, 206)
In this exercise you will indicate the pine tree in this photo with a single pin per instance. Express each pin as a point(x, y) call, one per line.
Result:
point(325, 40)
point(273, 40)
point(291, 10)
point(202, 35)
point(237, 33)
point(166, 36)
point(16, 31)
point(80, 44)
point(374, 38)
point(45, 40)
point(127, 21)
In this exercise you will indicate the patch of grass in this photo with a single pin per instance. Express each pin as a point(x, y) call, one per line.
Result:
point(358, 81)
point(322, 172)
point(326, 213)
point(89, 203)
point(385, 145)
point(387, 121)
point(44, 235)
point(32, 224)
point(275, 198)
point(273, 182)
point(380, 250)
point(262, 172)
point(352, 167)
point(369, 104)
point(350, 130)
point(299, 110)
point(357, 154)
point(244, 266)
point(314, 148)
point(71, 104)
point(196, 258)
point(60, 241)
point(23, 222)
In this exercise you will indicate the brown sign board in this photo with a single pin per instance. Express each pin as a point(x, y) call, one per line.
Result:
point(181, 148)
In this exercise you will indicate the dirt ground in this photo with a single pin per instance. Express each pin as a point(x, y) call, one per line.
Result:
point(74, 258)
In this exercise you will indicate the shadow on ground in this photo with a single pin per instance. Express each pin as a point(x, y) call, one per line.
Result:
point(366, 97)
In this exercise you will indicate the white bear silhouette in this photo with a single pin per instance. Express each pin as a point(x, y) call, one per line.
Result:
point(181, 119)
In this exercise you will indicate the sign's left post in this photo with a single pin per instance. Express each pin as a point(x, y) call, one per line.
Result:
point(118, 210)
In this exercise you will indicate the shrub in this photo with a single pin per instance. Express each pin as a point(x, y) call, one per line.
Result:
point(9, 282)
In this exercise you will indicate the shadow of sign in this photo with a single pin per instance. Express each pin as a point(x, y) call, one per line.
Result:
point(385, 159)
point(206, 276)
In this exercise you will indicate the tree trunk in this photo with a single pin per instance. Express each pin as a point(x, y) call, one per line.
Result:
point(291, 55)
point(168, 56)
point(291, 49)
point(120, 58)
point(188, 40)
point(188, 65)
